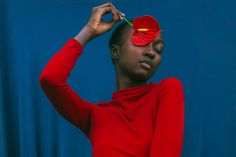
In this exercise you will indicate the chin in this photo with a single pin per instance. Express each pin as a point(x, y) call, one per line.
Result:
point(142, 76)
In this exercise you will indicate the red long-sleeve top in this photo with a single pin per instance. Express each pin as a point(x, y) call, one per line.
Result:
point(140, 121)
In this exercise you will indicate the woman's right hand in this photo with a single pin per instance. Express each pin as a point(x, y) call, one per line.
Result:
point(96, 26)
point(96, 21)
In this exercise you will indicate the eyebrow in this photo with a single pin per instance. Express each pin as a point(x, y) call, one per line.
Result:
point(159, 41)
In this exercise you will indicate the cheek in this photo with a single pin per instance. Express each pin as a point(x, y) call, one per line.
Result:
point(130, 55)
point(128, 58)
point(157, 60)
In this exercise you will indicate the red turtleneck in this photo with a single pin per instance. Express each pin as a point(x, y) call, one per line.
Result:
point(140, 121)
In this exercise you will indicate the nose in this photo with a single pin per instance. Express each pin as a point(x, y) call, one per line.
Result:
point(149, 53)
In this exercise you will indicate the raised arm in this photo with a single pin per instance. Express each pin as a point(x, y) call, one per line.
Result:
point(54, 76)
point(169, 123)
point(53, 81)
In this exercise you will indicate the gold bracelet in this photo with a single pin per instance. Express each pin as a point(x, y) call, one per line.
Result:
point(93, 23)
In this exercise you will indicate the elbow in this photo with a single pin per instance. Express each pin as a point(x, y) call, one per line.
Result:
point(41, 79)
point(45, 79)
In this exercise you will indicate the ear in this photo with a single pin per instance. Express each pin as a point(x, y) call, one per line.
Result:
point(115, 52)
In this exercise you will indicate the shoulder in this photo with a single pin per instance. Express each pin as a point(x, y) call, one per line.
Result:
point(170, 83)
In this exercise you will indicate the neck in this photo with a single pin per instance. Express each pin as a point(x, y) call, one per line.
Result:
point(123, 82)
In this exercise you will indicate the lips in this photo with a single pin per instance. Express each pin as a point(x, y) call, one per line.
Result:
point(146, 64)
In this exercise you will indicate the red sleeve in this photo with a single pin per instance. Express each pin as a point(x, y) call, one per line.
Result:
point(169, 122)
point(53, 82)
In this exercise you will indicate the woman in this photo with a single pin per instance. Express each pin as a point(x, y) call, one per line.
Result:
point(141, 120)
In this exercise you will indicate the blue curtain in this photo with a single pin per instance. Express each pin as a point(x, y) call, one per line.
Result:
point(200, 50)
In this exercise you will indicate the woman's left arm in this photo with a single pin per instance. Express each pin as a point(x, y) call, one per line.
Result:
point(169, 123)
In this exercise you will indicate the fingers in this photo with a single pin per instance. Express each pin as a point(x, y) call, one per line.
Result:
point(104, 5)
point(121, 15)
point(96, 22)
point(109, 8)
point(115, 14)
point(109, 25)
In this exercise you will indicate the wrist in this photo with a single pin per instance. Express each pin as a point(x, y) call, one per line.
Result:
point(86, 34)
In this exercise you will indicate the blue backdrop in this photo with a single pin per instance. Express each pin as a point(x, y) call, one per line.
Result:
point(200, 50)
